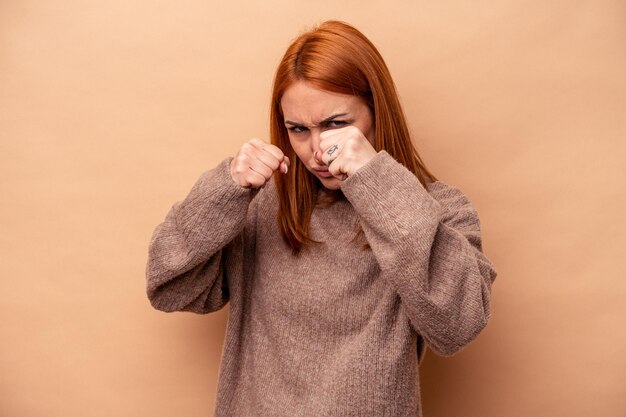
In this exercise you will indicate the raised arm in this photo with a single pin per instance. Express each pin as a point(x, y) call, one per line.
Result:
point(185, 258)
point(428, 246)
point(188, 251)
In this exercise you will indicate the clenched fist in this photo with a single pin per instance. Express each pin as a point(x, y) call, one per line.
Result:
point(344, 151)
point(255, 163)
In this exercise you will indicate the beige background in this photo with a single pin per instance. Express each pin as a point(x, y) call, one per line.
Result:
point(110, 110)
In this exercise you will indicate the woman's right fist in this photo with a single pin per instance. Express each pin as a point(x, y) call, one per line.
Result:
point(255, 163)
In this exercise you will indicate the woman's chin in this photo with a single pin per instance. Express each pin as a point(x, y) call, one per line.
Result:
point(331, 183)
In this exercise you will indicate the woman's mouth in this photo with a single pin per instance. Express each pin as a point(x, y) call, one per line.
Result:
point(323, 173)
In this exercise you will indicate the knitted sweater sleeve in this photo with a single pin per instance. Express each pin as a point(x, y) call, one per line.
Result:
point(188, 250)
point(428, 246)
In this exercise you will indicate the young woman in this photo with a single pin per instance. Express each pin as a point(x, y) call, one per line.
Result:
point(343, 268)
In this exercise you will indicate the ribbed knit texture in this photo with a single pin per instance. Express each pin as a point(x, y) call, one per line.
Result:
point(336, 330)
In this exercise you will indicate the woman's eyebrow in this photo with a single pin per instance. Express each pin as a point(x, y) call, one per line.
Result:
point(326, 120)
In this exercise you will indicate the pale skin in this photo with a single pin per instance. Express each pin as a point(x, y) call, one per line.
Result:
point(332, 135)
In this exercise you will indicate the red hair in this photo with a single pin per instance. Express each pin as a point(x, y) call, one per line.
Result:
point(335, 57)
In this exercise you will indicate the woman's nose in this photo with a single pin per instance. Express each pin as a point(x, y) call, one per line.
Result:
point(315, 146)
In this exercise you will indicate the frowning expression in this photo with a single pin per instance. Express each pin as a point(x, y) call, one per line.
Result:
point(309, 111)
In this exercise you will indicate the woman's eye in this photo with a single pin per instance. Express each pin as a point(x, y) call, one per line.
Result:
point(336, 123)
point(297, 129)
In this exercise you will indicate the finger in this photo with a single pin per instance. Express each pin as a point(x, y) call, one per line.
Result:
point(284, 166)
point(255, 179)
point(245, 175)
point(336, 170)
point(331, 154)
point(268, 153)
point(340, 136)
point(332, 132)
point(329, 141)
point(258, 143)
point(262, 155)
point(268, 159)
point(263, 169)
point(330, 137)
point(268, 147)
point(275, 151)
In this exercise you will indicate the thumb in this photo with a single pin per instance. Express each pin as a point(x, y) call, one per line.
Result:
point(284, 165)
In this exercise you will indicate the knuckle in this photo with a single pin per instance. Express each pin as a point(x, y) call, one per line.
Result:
point(271, 146)
point(351, 144)
point(274, 150)
point(243, 159)
point(263, 172)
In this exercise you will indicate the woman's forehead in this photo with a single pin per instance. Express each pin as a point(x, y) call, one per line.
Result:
point(303, 103)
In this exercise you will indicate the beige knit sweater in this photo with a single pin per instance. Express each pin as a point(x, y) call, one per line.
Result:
point(337, 330)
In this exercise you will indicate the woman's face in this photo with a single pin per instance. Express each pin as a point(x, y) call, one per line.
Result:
point(309, 111)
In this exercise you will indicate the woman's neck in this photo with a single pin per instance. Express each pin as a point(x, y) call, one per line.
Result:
point(326, 197)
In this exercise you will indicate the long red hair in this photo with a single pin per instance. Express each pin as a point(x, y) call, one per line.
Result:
point(337, 58)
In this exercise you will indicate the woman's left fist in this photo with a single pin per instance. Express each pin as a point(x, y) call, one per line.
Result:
point(345, 150)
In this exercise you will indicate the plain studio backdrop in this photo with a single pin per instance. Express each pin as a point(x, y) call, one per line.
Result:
point(109, 112)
